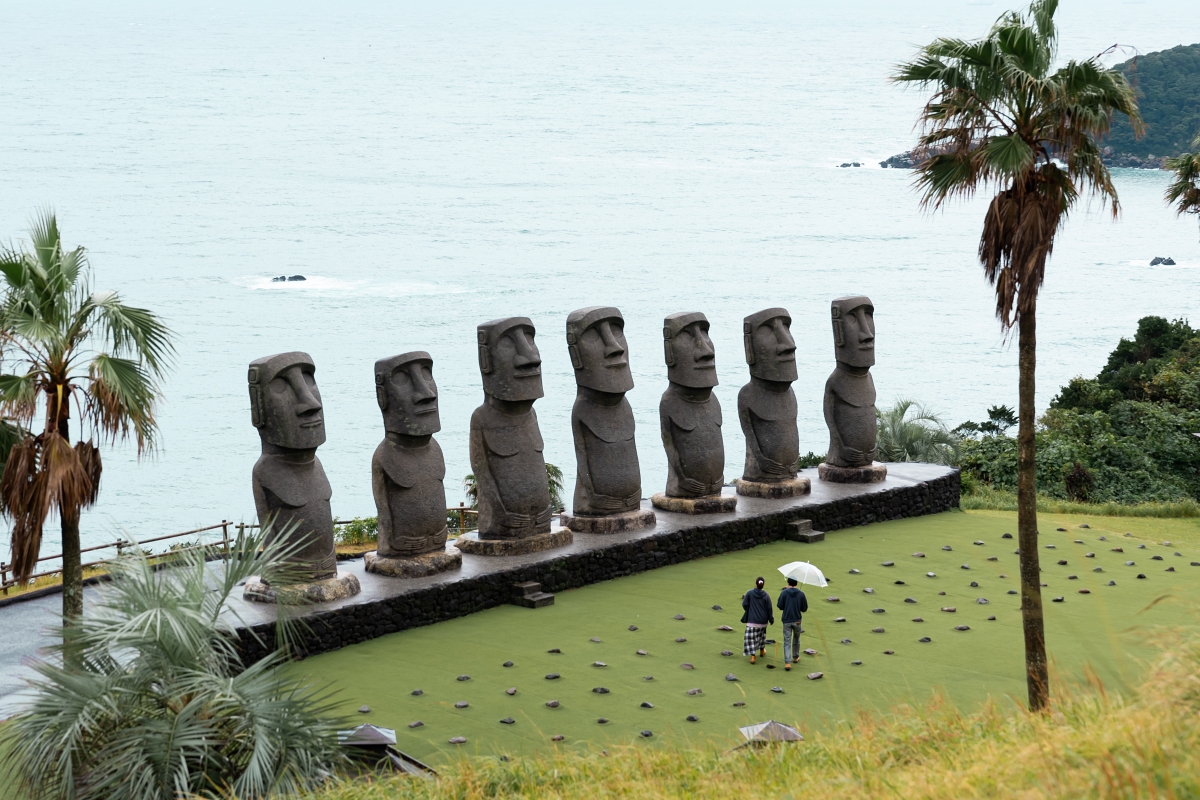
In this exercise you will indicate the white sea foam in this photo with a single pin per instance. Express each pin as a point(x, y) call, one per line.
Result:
point(338, 286)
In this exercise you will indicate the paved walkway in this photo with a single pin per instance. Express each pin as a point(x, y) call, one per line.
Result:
point(26, 628)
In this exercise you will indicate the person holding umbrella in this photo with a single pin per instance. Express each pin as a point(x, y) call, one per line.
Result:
point(792, 603)
point(759, 614)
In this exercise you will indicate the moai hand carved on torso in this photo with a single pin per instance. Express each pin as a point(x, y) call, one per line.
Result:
point(767, 404)
point(850, 391)
point(291, 491)
point(608, 477)
point(506, 443)
point(407, 468)
point(689, 413)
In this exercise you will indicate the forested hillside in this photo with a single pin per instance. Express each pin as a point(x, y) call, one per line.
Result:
point(1168, 84)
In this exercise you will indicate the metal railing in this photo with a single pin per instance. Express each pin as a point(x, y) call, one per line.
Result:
point(457, 520)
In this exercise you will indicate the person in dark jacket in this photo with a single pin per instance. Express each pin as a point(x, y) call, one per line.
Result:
point(758, 616)
point(792, 603)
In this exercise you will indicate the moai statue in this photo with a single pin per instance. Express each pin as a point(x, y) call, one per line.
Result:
point(767, 408)
point(690, 418)
point(407, 471)
point(608, 484)
point(506, 447)
point(850, 396)
point(291, 491)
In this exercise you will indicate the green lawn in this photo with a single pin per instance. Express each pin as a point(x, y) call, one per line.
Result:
point(1108, 630)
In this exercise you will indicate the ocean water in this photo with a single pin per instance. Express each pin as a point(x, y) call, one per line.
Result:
point(431, 166)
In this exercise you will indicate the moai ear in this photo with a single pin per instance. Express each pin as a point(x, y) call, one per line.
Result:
point(380, 392)
point(256, 402)
point(748, 339)
point(573, 349)
point(485, 360)
point(668, 351)
point(839, 338)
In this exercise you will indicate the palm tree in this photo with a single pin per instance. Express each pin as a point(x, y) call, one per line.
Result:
point(1003, 117)
point(1184, 191)
point(554, 482)
point(155, 702)
point(920, 437)
point(61, 342)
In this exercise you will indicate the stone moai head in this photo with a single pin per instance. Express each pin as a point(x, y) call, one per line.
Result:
point(691, 357)
point(770, 348)
point(854, 331)
point(599, 352)
point(407, 394)
point(285, 404)
point(509, 359)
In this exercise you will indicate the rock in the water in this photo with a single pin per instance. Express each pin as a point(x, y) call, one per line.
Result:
point(925, 639)
point(647, 734)
point(694, 692)
point(416, 724)
point(417, 692)
point(679, 616)
point(599, 664)
point(856, 663)
point(600, 690)
point(777, 689)
point(552, 676)
point(692, 718)
point(551, 704)
point(463, 678)
point(647, 705)
point(731, 677)
point(462, 704)
point(686, 665)
point(507, 721)
point(364, 710)
point(510, 691)
point(508, 663)
point(642, 653)
point(458, 740)
point(302, 278)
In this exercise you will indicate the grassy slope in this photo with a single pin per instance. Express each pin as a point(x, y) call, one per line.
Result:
point(1106, 630)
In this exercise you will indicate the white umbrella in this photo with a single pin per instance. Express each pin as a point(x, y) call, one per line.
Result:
point(771, 731)
point(804, 572)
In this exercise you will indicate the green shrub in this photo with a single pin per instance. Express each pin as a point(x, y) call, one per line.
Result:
point(358, 531)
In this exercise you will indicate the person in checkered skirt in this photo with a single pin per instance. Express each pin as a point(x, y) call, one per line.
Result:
point(760, 613)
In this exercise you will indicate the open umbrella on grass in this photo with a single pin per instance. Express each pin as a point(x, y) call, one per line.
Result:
point(770, 731)
point(804, 572)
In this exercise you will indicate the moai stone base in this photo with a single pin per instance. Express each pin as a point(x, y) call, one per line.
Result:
point(343, 586)
point(417, 566)
point(471, 543)
point(612, 523)
point(530, 595)
point(872, 474)
point(802, 531)
point(774, 491)
point(713, 504)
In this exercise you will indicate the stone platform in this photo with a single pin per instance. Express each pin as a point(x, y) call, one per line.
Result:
point(414, 566)
point(338, 588)
point(613, 523)
point(386, 605)
point(716, 504)
point(774, 491)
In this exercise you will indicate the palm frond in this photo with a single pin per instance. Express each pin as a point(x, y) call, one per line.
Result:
point(121, 400)
point(134, 332)
point(910, 432)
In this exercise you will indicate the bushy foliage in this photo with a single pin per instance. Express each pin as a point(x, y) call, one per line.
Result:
point(1129, 429)
point(358, 531)
point(910, 432)
point(1168, 84)
point(154, 703)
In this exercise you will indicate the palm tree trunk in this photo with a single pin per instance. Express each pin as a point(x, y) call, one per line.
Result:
point(1037, 674)
point(72, 573)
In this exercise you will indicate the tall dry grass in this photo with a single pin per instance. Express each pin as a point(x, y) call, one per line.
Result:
point(1092, 744)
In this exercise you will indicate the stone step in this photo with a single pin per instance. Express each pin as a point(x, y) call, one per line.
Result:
point(801, 531)
point(539, 600)
point(527, 588)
